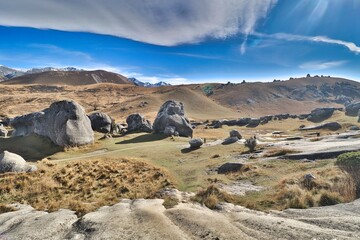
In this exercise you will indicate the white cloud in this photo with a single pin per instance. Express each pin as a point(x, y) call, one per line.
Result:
point(160, 22)
point(320, 65)
point(291, 37)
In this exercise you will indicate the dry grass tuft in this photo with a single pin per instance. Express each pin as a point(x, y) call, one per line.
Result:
point(277, 152)
point(212, 196)
point(82, 186)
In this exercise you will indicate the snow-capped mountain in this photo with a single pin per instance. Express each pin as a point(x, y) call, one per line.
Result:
point(7, 73)
point(147, 84)
point(51, 69)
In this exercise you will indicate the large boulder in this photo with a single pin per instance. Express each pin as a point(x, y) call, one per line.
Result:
point(171, 114)
point(3, 131)
point(101, 122)
point(11, 162)
point(235, 133)
point(320, 114)
point(254, 122)
point(196, 143)
point(64, 122)
point(332, 126)
point(137, 123)
point(230, 167)
point(352, 109)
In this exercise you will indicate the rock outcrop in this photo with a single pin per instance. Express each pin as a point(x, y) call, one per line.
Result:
point(235, 133)
point(172, 115)
point(352, 109)
point(141, 218)
point(137, 123)
point(230, 167)
point(3, 131)
point(64, 122)
point(11, 162)
point(320, 114)
point(254, 122)
point(196, 143)
point(332, 126)
point(101, 122)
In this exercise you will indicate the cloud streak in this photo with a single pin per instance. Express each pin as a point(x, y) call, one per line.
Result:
point(159, 22)
point(322, 39)
point(321, 65)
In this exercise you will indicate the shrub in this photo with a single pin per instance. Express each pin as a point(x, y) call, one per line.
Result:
point(350, 163)
point(251, 144)
point(329, 198)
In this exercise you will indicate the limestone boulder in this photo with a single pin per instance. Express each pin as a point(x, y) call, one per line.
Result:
point(3, 131)
point(352, 109)
point(196, 143)
point(101, 122)
point(235, 133)
point(11, 162)
point(64, 123)
point(172, 115)
point(320, 114)
point(137, 123)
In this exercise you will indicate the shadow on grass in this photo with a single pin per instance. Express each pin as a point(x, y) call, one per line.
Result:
point(144, 138)
point(188, 150)
point(31, 148)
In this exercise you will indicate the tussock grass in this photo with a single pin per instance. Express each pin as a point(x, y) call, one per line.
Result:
point(277, 152)
point(82, 186)
point(212, 196)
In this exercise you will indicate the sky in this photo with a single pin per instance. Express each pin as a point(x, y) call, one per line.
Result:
point(185, 41)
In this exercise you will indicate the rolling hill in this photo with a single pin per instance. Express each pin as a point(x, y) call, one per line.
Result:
point(72, 78)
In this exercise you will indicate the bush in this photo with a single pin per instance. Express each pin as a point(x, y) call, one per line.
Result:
point(350, 163)
point(328, 198)
point(251, 144)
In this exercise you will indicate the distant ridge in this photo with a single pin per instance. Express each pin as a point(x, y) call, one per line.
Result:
point(70, 77)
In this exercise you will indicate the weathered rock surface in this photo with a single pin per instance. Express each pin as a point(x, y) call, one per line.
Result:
point(64, 122)
point(137, 123)
point(320, 114)
point(235, 133)
point(196, 143)
point(172, 114)
point(352, 109)
point(332, 126)
point(11, 162)
point(3, 131)
point(140, 219)
point(101, 122)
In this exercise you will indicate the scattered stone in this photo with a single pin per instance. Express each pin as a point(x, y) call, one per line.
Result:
point(230, 140)
point(11, 162)
point(354, 128)
point(235, 133)
point(137, 122)
point(64, 122)
point(332, 126)
point(230, 167)
point(3, 131)
point(101, 122)
point(352, 109)
point(320, 114)
point(196, 143)
point(171, 114)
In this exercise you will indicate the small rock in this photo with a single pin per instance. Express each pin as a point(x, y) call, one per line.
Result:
point(235, 133)
point(196, 143)
point(230, 140)
point(230, 167)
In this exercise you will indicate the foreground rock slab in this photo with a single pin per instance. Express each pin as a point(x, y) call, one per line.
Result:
point(148, 219)
point(11, 162)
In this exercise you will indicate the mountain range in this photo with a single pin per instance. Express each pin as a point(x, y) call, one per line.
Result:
point(7, 74)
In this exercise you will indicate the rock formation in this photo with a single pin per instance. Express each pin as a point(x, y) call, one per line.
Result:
point(64, 122)
point(101, 122)
point(352, 109)
point(235, 133)
point(332, 126)
point(137, 123)
point(11, 162)
point(320, 114)
point(171, 114)
point(196, 143)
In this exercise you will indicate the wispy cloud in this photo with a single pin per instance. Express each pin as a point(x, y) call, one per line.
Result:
point(160, 22)
point(321, 65)
point(200, 56)
point(60, 51)
point(322, 39)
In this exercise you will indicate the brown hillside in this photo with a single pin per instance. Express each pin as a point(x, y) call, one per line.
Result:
point(69, 78)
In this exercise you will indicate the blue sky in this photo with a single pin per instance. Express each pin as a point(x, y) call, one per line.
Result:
point(185, 41)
